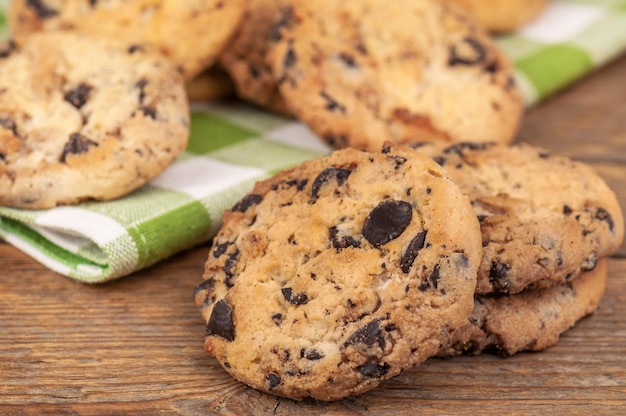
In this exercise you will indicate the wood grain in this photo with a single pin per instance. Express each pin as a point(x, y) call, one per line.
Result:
point(134, 346)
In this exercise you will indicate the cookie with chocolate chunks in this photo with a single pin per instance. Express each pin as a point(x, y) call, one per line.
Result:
point(85, 118)
point(339, 273)
point(364, 72)
point(545, 219)
point(528, 321)
point(191, 33)
point(244, 59)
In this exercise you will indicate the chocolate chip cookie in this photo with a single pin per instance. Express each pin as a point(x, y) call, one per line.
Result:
point(365, 72)
point(339, 273)
point(545, 219)
point(191, 33)
point(244, 59)
point(85, 117)
point(528, 321)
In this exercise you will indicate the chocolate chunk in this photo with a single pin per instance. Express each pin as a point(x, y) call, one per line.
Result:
point(221, 321)
point(399, 161)
point(387, 222)
point(79, 95)
point(206, 284)
point(369, 335)
point(589, 262)
point(434, 277)
point(141, 85)
point(43, 10)
point(135, 48)
point(567, 210)
point(290, 57)
point(312, 355)
point(432, 281)
point(331, 103)
point(348, 60)
point(149, 112)
point(461, 147)
point(492, 67)
point(220, 249)
point(440, 160)
point(77, 144)
point(295, 299)
point(342, 241)
point(277, 318)
point(229, 268)
point(273, 381)
point(498, 274)
point(373, 369)
point(286, 18)
point(326, 176)
point(246, 202)
point(461, 55)
point(7, 48)
point(412, 251)
point(462, 261)
point(603, 215)
point(9, 124)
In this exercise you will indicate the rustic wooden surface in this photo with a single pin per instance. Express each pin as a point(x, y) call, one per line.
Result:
point(134, 346)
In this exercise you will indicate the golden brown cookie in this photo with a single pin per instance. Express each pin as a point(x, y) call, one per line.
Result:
point(339, 273)
point(361, 73)
point(544, 218)
point(191, 33)
point(244, 59)
point(84, 117)
point(528, 321)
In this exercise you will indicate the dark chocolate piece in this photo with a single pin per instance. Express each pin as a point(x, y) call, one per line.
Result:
point(295, 299)
point(412, 251)
point(326, 176)
point(387, 222)
point(79, 95)
point(43, 10)
point(373, 369)
point(369, 335)
point(246, 202)
point(77, 144)
point(477, 55)
point(221, 321)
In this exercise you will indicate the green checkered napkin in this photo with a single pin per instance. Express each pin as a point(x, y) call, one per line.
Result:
point(233, 145)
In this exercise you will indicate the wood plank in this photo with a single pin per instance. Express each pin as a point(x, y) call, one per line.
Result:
point(135, 345)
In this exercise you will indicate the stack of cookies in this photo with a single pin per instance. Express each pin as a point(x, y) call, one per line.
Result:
point(346, 270)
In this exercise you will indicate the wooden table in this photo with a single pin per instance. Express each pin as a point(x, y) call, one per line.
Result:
point(134, 346)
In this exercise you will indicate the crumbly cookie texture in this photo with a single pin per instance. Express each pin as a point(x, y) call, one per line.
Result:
point(362, 73)
point(528, 321)
point(339, 273)
point(503, 16)
point(244, 59)
point(191, 33)
point(544, 218)
point(85, 118)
